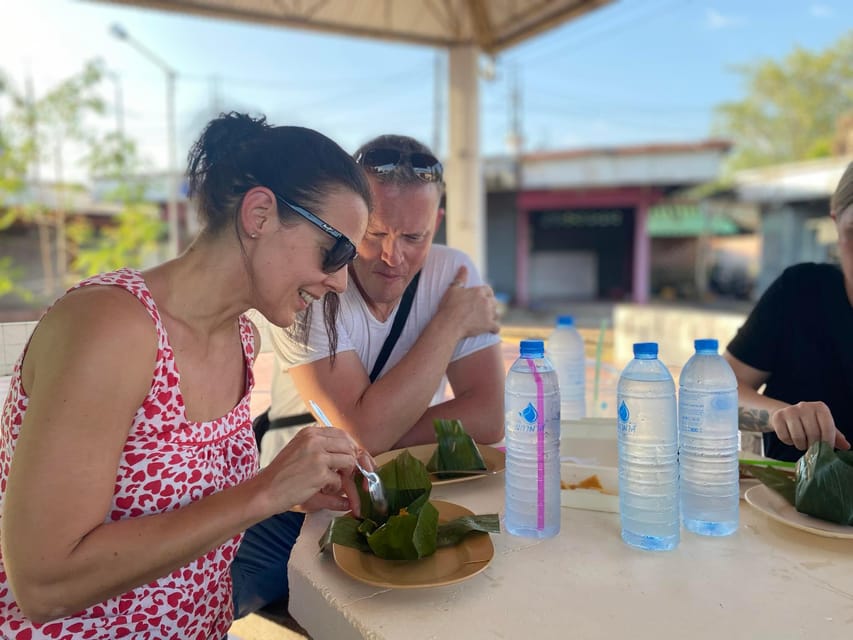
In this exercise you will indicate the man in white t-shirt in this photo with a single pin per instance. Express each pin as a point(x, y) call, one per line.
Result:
point(450, 334)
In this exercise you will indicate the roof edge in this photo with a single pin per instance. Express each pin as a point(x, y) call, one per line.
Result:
point(633, 150)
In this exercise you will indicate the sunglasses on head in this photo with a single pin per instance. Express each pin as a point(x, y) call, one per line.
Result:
point(383, 161)
point(342, 252)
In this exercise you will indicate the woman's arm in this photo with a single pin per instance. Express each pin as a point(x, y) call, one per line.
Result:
point(87, 370)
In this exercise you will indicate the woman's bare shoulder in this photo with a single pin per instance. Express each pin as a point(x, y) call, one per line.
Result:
point(95, 322)
point(101, 308)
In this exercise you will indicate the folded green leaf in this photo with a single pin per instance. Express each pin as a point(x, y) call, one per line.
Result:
point(825, 484)
point(781, 464)
point(344, 530)
point(456, 450)
point(408, 536)
point(411, 530)
point(781, 482)
point(452, 532)
point(405, 481)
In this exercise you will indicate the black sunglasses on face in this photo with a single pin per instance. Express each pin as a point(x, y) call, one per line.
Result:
point(383, 161)
point(342, 252)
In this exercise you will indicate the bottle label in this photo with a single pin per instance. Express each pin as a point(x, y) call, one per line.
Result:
point(695, 409)
point(529, 417)
point(626, 425)
point(691, 413)
point(527, 420)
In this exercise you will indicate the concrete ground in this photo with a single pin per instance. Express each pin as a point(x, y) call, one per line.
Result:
point(254, 627)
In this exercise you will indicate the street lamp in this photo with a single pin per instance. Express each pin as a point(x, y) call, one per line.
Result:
point(171, 179)
point(118, 105)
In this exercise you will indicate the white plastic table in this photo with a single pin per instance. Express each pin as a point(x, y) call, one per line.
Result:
point(767, 580)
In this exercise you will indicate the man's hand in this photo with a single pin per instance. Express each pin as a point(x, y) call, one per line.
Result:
point(803, 423)
point(473, 309)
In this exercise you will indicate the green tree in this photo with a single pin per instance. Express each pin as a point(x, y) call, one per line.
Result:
point(33, 136)
point(791, 107)
point(9, 273)
point(136, 233)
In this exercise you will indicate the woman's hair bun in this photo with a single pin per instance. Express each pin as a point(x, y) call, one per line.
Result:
point(231, 131)
point(222, 142)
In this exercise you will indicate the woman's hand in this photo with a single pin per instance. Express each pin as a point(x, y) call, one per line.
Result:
point(315, 471)
point(803, 423)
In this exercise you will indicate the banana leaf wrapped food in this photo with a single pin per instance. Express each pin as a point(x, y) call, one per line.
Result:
point(822, 487)
point(456, 450)
point(411, 529)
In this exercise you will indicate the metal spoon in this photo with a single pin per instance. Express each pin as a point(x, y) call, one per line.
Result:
point(374, 483)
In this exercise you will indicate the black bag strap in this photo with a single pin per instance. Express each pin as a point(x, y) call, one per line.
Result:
point(397, 327)
point(262, 423)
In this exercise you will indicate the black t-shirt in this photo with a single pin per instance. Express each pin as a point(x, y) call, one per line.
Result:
point(801, 331)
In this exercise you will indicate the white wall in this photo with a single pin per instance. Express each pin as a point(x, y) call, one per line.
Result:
point(13, 338)
point(674, 330)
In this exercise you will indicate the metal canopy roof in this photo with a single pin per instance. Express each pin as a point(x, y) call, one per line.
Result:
point(492, 25)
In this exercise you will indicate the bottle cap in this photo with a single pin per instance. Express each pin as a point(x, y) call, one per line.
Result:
point(706, 345)
point(646, 350)
point(532, 349)
point(565, 321)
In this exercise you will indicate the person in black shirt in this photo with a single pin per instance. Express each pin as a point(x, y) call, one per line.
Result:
point(798, 340)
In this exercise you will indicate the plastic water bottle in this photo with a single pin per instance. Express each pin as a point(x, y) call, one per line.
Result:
point(532, 420)
point(566, 351)
point(648, 452)
point(708, 443)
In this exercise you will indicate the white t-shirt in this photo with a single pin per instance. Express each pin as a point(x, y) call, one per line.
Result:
point(360, 331)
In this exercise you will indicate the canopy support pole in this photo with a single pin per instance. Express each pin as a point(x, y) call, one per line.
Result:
point(466, 210)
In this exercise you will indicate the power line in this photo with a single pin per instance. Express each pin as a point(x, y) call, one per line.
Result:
point(275, 85)
point(606, 102)
point(601, 34)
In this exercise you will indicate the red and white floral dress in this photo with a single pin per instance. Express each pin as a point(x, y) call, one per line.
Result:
point(167, 462)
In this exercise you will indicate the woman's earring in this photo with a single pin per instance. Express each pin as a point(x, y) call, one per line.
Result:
point(254, 236)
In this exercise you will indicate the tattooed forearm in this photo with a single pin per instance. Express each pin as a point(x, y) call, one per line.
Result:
point(754, 420)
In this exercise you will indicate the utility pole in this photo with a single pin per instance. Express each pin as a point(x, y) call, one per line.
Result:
point(40, 217)
point(215, 95)
point(171, 134)
point(118, 101)
point(438, 83)
point(515, 138)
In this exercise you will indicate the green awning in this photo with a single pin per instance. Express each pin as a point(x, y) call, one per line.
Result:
point(685, 220)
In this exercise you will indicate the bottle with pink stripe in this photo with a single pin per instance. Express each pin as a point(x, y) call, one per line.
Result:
point(532, 422)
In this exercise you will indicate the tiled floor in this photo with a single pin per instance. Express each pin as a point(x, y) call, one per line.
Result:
point(255, 627)
point(260, 400)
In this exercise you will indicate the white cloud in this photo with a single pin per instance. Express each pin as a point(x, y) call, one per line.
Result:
point(820, 10)
point(716, 20)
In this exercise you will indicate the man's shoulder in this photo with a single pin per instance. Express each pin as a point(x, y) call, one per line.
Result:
point(442, 258)
point(810, 280)
point(443, 253)
point(811, 271)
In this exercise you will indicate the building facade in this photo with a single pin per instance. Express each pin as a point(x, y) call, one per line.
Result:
point(574, 225)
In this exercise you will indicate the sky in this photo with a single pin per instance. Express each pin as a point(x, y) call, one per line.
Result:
point(634, 72)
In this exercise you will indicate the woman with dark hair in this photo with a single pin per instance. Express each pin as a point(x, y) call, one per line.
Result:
point(128, 466)
point(798, 341)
